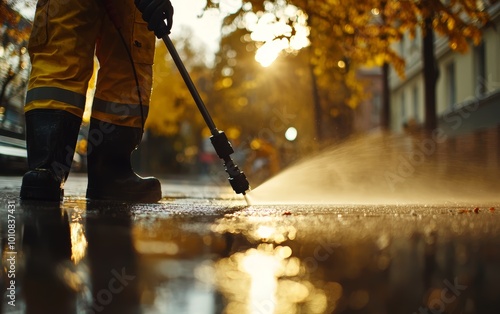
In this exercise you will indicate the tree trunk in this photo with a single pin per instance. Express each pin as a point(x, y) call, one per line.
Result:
point(430, 76)
point(318, 113)
point(385, 110)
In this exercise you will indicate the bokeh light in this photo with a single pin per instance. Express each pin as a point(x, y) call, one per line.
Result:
point(291, 134)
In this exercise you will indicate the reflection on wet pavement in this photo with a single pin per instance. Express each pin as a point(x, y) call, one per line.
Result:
point(198, 256)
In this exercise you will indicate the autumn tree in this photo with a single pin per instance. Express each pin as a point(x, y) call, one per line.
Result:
point(15, 28)
point(255, 103)
point(174, 124)
point(331, 88)
point(367, 30)
point(171, 102)
point(460, 21)
point(363, 32)
point(14, 61)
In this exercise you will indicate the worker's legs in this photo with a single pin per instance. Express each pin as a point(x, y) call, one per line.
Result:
point(125, 71)
point(61, 48)
point(120, 108)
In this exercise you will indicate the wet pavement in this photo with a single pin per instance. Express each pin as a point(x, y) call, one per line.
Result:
point(202, 250)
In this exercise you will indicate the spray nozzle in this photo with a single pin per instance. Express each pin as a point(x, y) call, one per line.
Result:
point(237, 178)
point(223, 148)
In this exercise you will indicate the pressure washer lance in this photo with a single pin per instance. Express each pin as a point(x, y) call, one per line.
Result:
point(219, 140)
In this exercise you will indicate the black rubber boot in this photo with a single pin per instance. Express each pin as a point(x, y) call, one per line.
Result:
point(110, 174)
point(50, 138)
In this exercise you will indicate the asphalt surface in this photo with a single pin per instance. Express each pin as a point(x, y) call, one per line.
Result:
point(202, 249)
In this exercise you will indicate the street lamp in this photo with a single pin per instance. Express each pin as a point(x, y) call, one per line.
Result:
point(291, 134)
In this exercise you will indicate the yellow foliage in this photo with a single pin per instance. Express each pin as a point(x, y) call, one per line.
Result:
point(171, 103)
point(346, 34)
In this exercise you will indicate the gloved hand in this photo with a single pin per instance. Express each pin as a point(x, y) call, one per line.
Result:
point(155, 12)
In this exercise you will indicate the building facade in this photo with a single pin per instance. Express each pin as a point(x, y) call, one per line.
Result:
point(466, 80)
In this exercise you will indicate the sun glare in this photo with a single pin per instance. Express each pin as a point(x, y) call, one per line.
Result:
point(275, 31)
point(270, 51)
point(77, 235)
point(262, 268)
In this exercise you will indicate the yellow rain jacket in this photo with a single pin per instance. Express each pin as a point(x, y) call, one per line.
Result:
point(66, 34)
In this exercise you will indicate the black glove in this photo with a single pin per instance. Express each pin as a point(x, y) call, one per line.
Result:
point(155, 12)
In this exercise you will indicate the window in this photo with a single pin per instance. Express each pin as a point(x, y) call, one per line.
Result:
point(403, 106)
point(415, 103)
point(402, 46)
point(376, 106)
point(480, 69)
point(451, 85)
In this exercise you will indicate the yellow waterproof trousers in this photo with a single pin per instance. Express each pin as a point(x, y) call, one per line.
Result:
point(66, 34)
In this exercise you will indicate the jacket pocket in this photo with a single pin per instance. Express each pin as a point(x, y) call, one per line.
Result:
point(143, 41)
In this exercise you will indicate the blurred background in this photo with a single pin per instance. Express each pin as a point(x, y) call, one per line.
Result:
point(287, 79)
